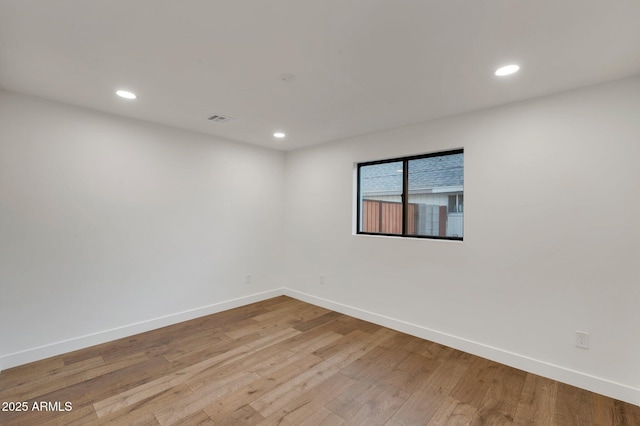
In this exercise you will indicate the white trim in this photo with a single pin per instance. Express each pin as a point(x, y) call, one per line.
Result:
point(81, 342)
point(555, 372)
point(458, 188)
point(415, 191)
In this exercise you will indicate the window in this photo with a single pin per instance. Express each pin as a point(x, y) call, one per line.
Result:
point(455, 203)
point(419, 196)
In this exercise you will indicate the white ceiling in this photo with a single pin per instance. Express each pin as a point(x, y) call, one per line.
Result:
point(359, 65)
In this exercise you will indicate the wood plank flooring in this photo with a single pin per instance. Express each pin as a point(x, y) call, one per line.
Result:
point(285, 362)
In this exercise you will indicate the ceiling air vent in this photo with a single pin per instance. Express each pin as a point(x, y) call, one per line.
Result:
point(220, 118)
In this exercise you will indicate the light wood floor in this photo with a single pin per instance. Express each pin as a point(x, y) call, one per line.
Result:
point(286, 362)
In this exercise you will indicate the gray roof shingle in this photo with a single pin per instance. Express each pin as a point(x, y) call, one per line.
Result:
point(424, 174)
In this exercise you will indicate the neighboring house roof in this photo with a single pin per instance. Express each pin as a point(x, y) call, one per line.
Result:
point(425, 175)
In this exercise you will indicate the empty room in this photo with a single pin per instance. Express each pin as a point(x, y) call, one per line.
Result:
point(329, 212)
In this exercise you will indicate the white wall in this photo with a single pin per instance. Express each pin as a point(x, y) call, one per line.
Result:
point(540, 258)
point(111, 226)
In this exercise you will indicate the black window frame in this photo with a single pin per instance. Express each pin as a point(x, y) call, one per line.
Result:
point(404, 197)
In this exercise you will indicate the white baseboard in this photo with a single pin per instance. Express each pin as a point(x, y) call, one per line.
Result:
point(575, 378)
point(555, 372)
point(58, 348)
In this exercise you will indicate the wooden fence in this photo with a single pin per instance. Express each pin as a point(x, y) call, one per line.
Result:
point(385, 217)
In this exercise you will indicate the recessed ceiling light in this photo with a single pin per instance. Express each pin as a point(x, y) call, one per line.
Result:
point(278, 135)
point(507, 70)
point(125, 94)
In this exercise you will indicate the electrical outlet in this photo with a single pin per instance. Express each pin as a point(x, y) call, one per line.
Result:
point(247, 279)
point(321, 279)
point(582, 339)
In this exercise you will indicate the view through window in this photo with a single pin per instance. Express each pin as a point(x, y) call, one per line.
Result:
point(418, 196)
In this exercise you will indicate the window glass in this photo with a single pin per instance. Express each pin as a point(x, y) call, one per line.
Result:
point(381, 198)
point(434, 185)
point(420, 196)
